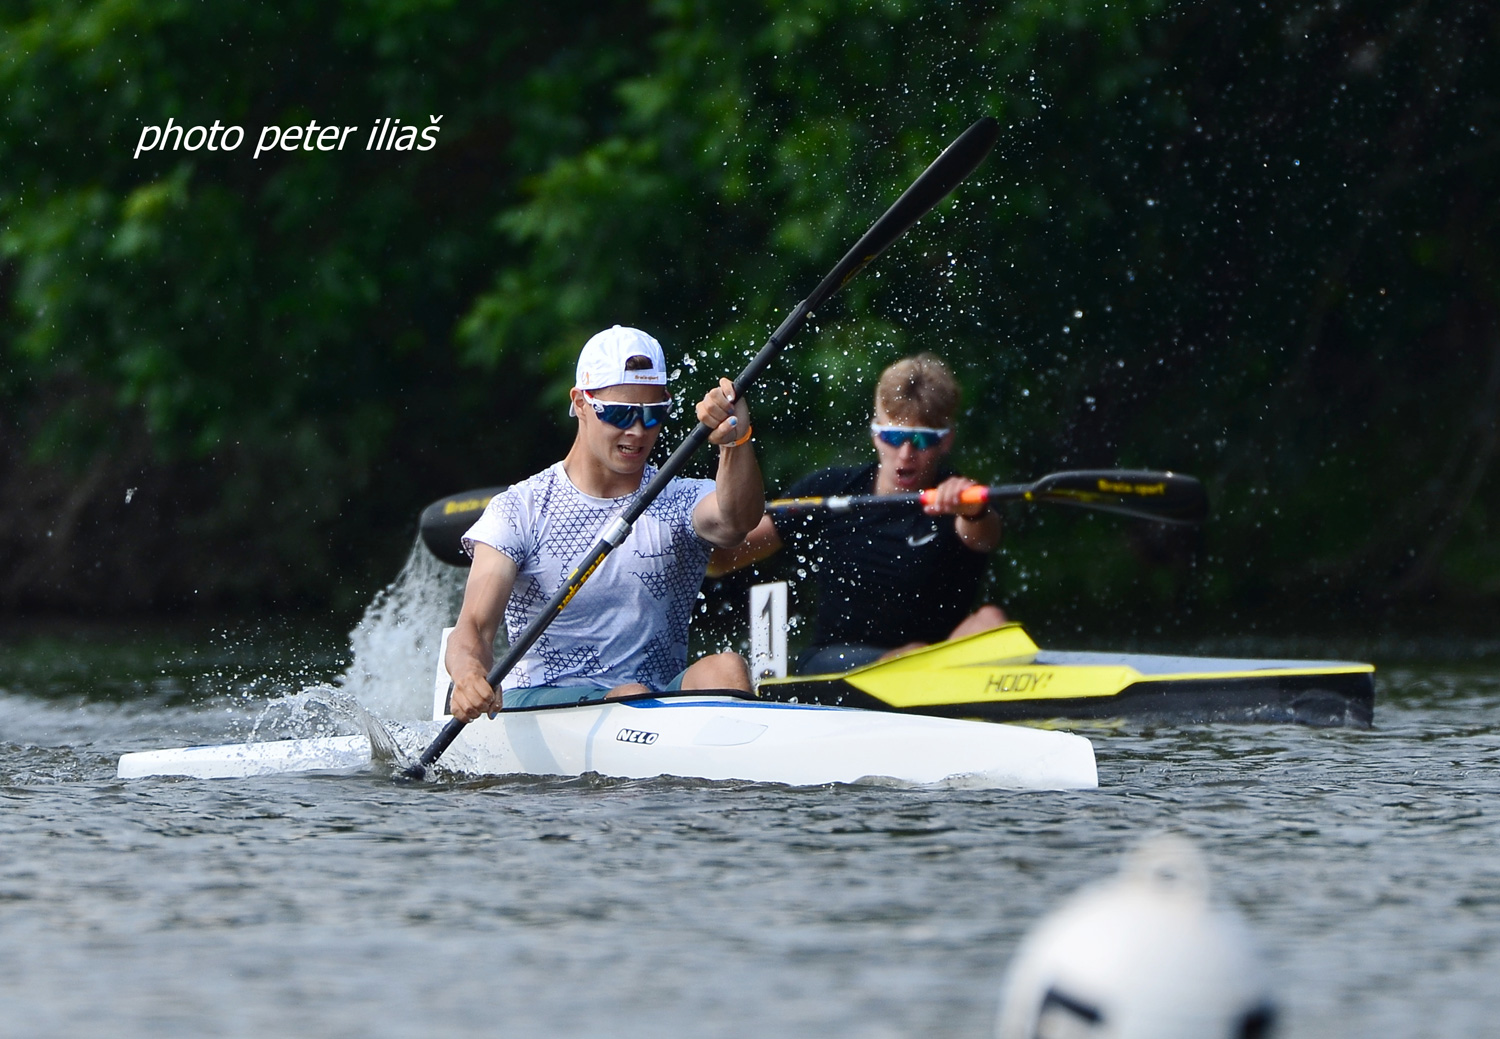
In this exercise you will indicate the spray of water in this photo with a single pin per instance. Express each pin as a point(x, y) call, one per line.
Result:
point(394, 645)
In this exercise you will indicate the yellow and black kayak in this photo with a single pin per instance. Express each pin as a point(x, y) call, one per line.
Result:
point(1002, 675)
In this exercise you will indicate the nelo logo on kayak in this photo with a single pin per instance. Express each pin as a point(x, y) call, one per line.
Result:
point(635, 736)
point(1002, 682)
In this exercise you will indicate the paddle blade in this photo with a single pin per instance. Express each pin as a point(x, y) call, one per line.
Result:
point(443, 523)
point(1164, 497)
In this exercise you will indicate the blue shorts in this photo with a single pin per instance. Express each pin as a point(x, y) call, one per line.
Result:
point(569, 695)
point(837, 658)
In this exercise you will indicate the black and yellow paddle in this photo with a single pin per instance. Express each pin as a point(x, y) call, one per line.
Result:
point(1140, 493)
point(1164, 497)
point(443, 523)
point(947, 171)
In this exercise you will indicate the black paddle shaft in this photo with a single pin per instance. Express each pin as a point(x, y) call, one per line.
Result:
point(1163, 497)
point(947, 171)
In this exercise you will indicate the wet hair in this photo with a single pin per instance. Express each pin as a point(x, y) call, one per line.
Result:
point(919, 390)
point(638, 363)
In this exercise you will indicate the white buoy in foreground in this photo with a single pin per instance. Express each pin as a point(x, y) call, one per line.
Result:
point(1143, 955)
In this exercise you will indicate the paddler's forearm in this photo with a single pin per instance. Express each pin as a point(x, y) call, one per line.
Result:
point(740, 492)
point(760, 543)
point(467, 654)
point(469, 660)
point(471, 645)
point(980, 533)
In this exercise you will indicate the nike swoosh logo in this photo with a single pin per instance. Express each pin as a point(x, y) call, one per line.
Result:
point(916, 542)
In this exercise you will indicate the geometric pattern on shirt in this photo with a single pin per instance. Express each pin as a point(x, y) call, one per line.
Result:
point(661, 660)
point(654, 580)
point(675, 509)
point(525, 598)
point(577, 662)
point(677, 583)
point(572, 526)
point(509, 509)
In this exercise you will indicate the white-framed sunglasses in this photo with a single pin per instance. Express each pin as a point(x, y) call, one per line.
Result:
point(922, 438)
point(623, 416)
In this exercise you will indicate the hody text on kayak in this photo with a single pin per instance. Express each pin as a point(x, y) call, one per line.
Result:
point(1001, 683)
point(386, 135)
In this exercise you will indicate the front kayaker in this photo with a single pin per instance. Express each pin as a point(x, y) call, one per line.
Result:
point(626, 630)
point(888, 580)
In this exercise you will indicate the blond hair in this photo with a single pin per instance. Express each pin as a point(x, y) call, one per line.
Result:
point(920, 390)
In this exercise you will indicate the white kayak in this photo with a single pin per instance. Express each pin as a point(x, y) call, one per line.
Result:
point(729, 738)
point(694, 736)
point(239, 760)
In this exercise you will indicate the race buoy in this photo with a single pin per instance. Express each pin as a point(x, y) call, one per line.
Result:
point(1143, 955)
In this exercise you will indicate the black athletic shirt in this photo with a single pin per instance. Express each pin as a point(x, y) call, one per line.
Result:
point(884, 576)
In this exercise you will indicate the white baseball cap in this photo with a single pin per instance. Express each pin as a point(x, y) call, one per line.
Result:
point(602, 362)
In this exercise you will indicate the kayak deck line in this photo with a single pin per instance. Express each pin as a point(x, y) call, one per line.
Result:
point(1002, 675)
point(1181, 668)
point(742, 700)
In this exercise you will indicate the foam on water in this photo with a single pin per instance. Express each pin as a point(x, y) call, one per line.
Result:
point(394, 645)
point(322, 710)
point(393, 651)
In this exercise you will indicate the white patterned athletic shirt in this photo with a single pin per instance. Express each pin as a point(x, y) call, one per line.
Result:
point(629, 622)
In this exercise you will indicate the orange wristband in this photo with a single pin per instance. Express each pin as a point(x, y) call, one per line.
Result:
point(749, 431)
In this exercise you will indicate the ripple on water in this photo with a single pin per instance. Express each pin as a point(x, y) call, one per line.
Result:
point(349, 905)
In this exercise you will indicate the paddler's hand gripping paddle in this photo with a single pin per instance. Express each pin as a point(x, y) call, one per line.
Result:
point(956, 162)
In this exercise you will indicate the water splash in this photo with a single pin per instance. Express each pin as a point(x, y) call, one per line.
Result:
point(322, 710)
point(394, 645)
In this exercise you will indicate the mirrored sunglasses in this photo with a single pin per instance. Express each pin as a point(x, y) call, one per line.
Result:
point(920, 437)
point(623, 416)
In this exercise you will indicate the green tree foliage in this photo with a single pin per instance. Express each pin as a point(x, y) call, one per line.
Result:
point(263, 346)
point(1231, 242)
point(1256, 244)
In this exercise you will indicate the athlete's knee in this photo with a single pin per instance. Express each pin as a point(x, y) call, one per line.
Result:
point(888, 654)
point(983, 619)
point(718, 671)
point(990, 615)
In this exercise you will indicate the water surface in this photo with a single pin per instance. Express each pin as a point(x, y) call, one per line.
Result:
point(347, 906)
